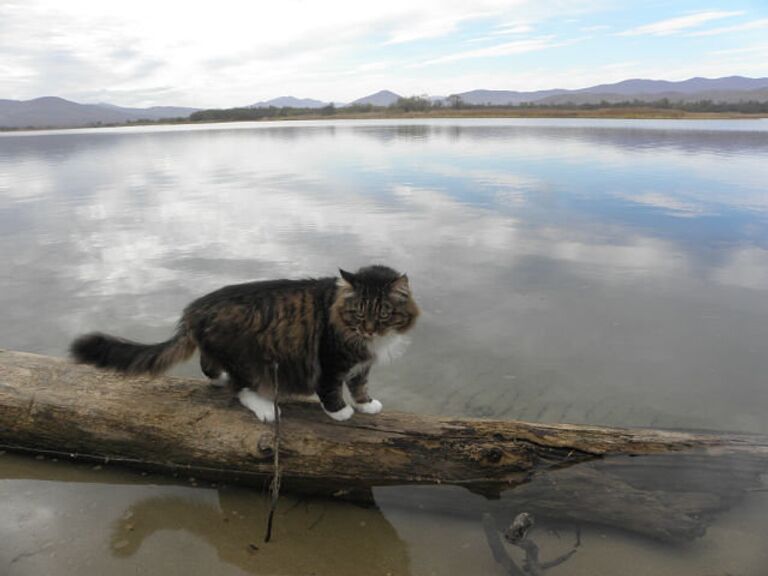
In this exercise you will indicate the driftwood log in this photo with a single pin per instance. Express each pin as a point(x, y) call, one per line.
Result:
point(49, 405)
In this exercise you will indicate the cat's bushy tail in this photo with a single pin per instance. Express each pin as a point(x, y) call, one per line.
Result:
point(106, 351)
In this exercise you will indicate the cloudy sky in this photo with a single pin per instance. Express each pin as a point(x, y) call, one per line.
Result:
point(229, 53)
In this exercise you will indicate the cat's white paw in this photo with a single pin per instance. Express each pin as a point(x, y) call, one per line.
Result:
point(341, 415)
point(372, 407)
point(262, 407)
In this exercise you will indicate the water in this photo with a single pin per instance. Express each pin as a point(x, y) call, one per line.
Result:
point(586, 271)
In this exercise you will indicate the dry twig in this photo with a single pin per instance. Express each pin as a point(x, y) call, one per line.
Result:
point(276, 460)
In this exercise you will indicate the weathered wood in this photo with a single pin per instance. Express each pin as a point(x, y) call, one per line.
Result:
point(52, 405)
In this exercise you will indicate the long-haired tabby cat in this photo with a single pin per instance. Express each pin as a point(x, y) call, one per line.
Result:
point(315, 335)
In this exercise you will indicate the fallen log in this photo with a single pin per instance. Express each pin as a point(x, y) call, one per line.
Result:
point(50, 405)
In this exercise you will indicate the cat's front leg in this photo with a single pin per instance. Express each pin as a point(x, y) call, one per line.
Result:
point(329, 390)
point(358, 389)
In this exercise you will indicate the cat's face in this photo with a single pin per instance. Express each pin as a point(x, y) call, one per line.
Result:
point(375, 301)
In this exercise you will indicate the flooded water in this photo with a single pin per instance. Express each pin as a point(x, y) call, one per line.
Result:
point(584, 271)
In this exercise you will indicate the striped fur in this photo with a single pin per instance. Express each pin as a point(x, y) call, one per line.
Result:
point(315, 334)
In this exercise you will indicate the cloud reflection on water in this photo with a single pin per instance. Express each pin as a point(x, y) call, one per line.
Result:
point(557, 276)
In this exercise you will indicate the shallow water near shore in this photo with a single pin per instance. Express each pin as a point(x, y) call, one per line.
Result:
point(608, 272)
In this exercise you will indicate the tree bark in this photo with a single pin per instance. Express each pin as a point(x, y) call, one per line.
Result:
point(50, 405)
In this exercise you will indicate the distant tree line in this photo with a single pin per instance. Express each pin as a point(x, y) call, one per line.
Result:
point(746, 107)
point(237, 114)
point(414, 103)
point(423, 104)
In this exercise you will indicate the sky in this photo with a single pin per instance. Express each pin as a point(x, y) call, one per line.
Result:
point(235, 53)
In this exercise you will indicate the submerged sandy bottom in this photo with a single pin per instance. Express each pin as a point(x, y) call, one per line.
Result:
point(74, 519)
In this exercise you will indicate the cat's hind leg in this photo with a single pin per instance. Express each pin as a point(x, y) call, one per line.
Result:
point(263, 407)
point(248, 388)
point(213, 370)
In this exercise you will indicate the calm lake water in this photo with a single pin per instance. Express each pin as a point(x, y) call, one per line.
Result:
point(588, 271)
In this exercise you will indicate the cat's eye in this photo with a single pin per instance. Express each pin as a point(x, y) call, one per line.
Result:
point(360, 310)
point(385, 311)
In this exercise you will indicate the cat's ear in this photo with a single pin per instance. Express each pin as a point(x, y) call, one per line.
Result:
point(400, 287)
point(348, 277)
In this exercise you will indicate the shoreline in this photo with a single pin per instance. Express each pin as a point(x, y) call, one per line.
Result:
point(639, 113)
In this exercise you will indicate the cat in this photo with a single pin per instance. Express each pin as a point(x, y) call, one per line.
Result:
point(315, 335)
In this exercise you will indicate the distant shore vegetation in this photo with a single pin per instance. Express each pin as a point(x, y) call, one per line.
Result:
point(453, 106)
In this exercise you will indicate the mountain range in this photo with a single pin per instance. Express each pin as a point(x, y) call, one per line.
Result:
point(728, 89)
point(290, 102)
point(380, 98)
point(54, 112)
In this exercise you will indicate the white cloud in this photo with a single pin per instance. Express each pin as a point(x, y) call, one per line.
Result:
point(196, 47)
point(239, 53)
point(675, 25)
point(509, 29)
point(190, 54)
point(427, 29)
point(506, 49)
point(762, 48)
point(512, 28)
point(753, 25)
point(596, 28)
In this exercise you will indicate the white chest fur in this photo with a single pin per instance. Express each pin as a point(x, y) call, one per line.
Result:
point(384, 349)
